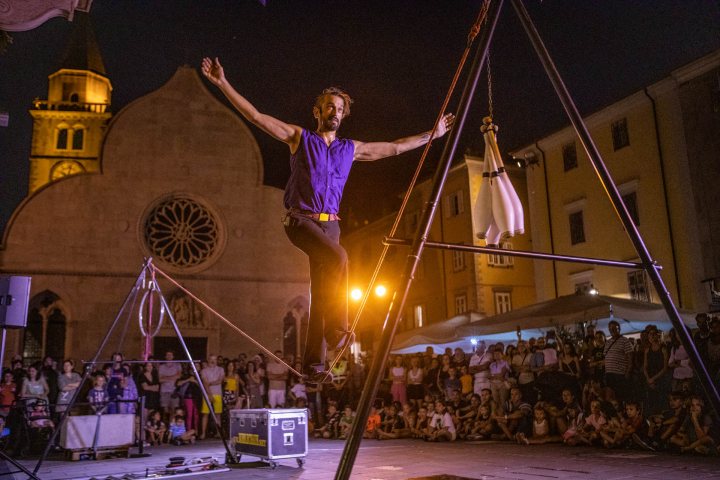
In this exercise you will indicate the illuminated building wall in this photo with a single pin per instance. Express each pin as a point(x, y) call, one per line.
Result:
point(658, 146)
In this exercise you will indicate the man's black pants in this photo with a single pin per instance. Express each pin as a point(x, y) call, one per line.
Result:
point(328, 280)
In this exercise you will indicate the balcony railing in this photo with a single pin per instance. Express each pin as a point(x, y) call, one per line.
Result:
point(70, 106)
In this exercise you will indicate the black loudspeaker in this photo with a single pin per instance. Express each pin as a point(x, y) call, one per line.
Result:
point(14, 298)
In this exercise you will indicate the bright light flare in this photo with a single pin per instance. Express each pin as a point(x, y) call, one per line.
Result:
point(356, 294)
point(380, 290)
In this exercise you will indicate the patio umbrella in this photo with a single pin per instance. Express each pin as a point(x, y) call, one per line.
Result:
point(497, 210)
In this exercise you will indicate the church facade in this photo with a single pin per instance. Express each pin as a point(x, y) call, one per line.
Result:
point(180, 181)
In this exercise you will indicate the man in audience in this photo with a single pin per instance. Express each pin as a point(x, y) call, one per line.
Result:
point(618, 362)
point(277, 374)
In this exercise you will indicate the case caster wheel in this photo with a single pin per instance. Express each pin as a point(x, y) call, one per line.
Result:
point(273, 465)
point(300, 462)
point(232, 458)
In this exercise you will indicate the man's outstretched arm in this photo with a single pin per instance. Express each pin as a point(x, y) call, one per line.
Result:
point(367, 152)
point(285, 132)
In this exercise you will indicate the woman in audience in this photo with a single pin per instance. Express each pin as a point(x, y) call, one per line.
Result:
point(415, 377)
point(254, 383)
point(149, 382)
point(499, 377)
point(34, 387)
point(655, 369)
point(398, 377)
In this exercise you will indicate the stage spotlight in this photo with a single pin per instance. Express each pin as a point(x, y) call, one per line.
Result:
point(593, 290)
point(474, 341)
point(356, 294)
point(380, 290)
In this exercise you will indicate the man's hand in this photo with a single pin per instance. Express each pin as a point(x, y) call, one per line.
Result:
point(446, 123)
point(213, 71)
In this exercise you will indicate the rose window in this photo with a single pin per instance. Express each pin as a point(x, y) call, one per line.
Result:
point(181, 232)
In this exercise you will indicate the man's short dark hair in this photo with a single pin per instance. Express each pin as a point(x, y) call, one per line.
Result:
point(338, 92)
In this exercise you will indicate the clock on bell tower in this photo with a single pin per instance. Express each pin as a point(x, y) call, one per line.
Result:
point(65, 168)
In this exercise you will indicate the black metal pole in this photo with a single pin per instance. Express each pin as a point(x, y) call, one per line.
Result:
point(86, 374)
point(7, 458)
point(400, 296)
point(517, 253)
point(616, 200)
point(206, 397)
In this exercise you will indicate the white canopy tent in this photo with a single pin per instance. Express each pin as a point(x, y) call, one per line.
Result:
point(535, 320)
point(437, 335)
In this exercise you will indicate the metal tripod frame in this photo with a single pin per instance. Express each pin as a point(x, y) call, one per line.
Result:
point(141, 283)
point(420, 242)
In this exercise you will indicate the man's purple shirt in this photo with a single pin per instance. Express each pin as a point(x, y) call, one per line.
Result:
point(318, 173)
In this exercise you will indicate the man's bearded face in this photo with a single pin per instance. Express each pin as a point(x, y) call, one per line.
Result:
point(330, 112)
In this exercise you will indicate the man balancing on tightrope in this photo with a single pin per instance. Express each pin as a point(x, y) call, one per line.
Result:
point(320, 164)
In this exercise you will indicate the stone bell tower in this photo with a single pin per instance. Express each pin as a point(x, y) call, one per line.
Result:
point(68, 127)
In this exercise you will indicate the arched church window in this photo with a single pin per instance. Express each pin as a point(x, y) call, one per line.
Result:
point(75, 97)
point(183, 232)
point(78, 139)
point(62, 139)
point(46, 328)
point(32, 345)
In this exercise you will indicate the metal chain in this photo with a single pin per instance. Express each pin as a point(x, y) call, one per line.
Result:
point(490, 94)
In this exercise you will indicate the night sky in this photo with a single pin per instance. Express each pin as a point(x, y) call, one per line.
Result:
point(396, 58)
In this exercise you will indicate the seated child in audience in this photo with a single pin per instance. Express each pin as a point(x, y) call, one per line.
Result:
point(664, 426)
point(540, 429)
point(483, 426)
point(345, 422)
point(619, 432)
point(373, 423)
point(419, 429)
point(594, 423)
point(441, 426)
point(694, 433)
point(180, 435)
point(465, 416)
point(391, 424)
point(574, 422)
point(330, 429)
point(155, 428)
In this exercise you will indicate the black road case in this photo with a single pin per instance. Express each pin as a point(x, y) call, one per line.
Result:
point(270, 434)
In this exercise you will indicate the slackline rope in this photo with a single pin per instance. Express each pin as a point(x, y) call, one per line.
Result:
point(474, 30)
point(227, 322)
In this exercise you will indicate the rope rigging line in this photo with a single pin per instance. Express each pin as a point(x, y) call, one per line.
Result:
point(227, 322)
point(474, 31)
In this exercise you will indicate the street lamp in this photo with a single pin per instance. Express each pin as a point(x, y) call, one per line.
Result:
point(356, 294)
point(380, 290)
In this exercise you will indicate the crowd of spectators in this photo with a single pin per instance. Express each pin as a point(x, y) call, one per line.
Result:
point(605, 390)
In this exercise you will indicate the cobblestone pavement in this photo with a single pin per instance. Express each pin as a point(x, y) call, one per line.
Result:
point(411, 459)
